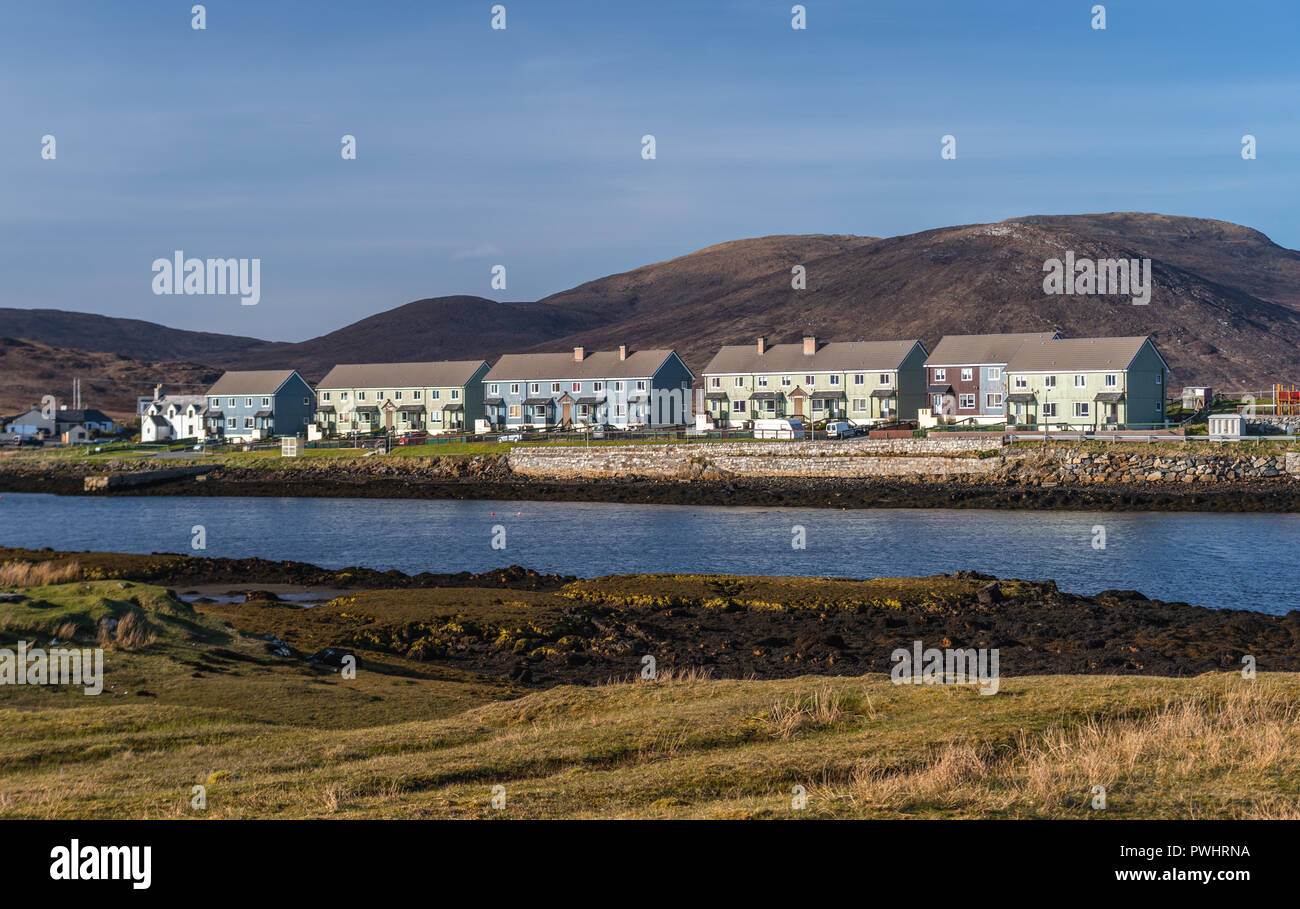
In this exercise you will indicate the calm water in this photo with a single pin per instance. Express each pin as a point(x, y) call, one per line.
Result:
point(1243, 561)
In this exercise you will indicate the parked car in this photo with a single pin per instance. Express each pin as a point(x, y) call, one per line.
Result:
point(413, 438)
point(840, 429)
point(510, 437)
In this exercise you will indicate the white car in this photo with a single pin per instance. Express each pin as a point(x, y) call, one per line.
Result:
point(840, 429)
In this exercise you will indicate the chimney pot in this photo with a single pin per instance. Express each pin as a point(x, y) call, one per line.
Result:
point(809, 345)
point(578, 354)
point(762, 345)
point(622, 351)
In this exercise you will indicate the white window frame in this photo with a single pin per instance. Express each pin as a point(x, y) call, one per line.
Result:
point(966, 402)
point(941, 375)
point(967, 374)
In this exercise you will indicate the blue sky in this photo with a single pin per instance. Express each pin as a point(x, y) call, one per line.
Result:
point(522, 147)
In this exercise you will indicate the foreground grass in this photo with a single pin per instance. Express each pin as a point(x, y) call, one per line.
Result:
point(1212, 746)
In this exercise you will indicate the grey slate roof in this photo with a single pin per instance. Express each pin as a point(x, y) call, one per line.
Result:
point(443, 373)
point(837, 356)
point(600, 364)
point(1076, 354)
point(251, 382)
point(971, 350)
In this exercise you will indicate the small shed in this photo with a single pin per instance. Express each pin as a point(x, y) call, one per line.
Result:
point(75, 435)
point(1197, 396)
point(1226, 427)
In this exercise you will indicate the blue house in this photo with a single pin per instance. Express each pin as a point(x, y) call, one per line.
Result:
point(620, 388)
point(249, 406)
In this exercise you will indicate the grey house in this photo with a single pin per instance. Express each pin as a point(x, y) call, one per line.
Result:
point(249, 406)
point(34, 423)
point(622, 388)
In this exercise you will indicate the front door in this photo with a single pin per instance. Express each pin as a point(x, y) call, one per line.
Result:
point(568, 413)
point(798, 406)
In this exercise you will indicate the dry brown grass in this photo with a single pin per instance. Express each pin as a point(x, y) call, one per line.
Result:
point(823, 708)
point(37, 574)
point(131, 632)
point(1239, 732)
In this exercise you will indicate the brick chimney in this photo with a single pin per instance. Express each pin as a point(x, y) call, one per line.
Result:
point(622, 351)
point(578, 354)
point(809, 345)
point(762, 346)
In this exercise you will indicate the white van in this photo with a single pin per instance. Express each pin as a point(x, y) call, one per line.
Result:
point(840, 429)
point(778, 429)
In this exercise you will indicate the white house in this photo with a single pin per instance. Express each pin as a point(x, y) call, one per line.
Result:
point(173, 417)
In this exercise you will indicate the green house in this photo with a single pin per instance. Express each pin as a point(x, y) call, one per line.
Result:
point(1088, 384)
point(445, 396)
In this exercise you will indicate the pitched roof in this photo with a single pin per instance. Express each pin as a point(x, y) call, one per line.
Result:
point(837, 356)
point(251, 382)
point(1076, 354)
point(444, 373)
point(600, 364)
point(81, 416)
point(970, 350)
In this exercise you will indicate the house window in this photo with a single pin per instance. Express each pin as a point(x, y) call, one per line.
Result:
point(214, 403)
point(534, 388)
point(1049, 381)
point(514, 411)
point(494, 389)
point(436, 394)
point(884, 378)
point(324, 395)
point(555, 388)
point(455, 394)
point(417, 395)
point(737, 406)
point(967, 375)
point(577, 386)
point(859, 403)
point(597, 386)
point(859, 379)
point(818, 404)
point(1112, 380)
point(810, 380)
point(640, 385)
point(995, 373)
point(397, 396)
point(739, 382)
point(618, 386)
point(1080, 381)
point(514, 388)
point(343, 395)
point(266, 402)
point(938, 402)
point(248, 422)
point(621, 411)
point(762, 381)
point(966, 402)
point(306, 401)
point(941, 375)
point(379, 396)
point(248, 402)
point(1160, 380)
point(1049, 410)
point(1081, 408)
point(232, 422)
point(230, 402)
point(1023, 382)
point(769, 406)
point(715, 381)
point(994, 399)
point(835, 380)
point(361, 396)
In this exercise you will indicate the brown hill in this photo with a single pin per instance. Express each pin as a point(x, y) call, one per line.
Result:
point(1225, 308)
point(111, 383)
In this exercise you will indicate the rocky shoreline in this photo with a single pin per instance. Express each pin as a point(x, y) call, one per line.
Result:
point(542, 630)
point(1055, 479)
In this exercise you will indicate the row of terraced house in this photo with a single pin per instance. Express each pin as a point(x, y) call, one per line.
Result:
point(1018, 379)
